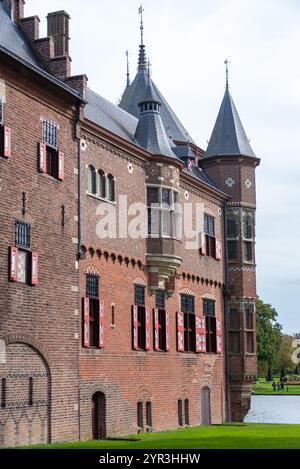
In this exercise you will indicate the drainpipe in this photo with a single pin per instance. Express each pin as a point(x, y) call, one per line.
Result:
point(225, 293)
point(78, 255)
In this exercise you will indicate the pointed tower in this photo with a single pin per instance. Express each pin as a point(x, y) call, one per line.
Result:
point(150, 132)
point(231, 163)
point(135, 92)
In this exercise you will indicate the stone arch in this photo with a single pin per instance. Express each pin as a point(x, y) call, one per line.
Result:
point(25, 421)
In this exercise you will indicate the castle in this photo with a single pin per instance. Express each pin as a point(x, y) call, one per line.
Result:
point(109, 327)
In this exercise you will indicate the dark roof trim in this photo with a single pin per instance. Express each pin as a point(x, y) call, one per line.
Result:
point(195, 182)
point(42, 73)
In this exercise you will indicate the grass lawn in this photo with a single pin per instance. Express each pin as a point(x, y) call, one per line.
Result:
point(264, 387)
point(227, 436)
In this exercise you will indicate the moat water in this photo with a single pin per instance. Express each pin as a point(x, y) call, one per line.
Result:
point(274, 409)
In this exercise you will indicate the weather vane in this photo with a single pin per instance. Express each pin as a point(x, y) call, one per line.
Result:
point(226, 63)
point(128, 73)
point(141, 10)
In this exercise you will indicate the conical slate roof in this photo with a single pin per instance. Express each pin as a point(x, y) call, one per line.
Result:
point(150, 132)
point(133, 95)
point(228, 136)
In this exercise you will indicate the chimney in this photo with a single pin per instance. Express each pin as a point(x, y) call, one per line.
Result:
point(15, 8)
point(58, 27)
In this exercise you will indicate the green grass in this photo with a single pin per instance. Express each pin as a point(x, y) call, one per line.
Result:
point(264, 387)
point(227, 436)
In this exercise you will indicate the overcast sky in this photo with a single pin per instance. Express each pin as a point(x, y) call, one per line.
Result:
point(187, 42)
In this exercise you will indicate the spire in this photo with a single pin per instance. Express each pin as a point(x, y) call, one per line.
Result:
point(128, 73)
point(142, 63)
point(228, 137)
point(150, 132)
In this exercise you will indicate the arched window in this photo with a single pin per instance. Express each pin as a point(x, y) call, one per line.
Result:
point(101, 184)
point(91, 180)
point(110, 188)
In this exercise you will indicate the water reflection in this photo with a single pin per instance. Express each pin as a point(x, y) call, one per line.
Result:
point(274, 409)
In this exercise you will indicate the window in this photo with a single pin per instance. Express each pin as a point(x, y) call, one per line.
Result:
point(250, 331)
point(92, 293)
point(92, 286)
point(232, 246)
point(149, 414)
point(101, 190)
point(247, 228)
point(188, 309)
point(3, 393)
point(234, 330)
point(163, 212)
point(160, 299)
point(140, 420)
point(91, 180)
point(248, 235)
point(22, 234)
point(30, 399)
point(209, 307)
point(50, 133)
point(1, 110)
point(23, 266)
point(211, 334)
point(248, 251)
point(210, 238)
point(51, 159)
point(180, 413)
point(139, 295)
point(110, 188)
point(232, 228)
point(51, 162)
point(186, 412)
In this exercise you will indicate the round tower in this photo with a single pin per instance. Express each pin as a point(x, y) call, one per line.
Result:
point(231, 163)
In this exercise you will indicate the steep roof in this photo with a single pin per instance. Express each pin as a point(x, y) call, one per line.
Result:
point(133, 95)
point(150, 133)
point(228, 136)
point(13, 39)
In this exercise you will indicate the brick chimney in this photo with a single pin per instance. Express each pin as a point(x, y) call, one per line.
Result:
point(15, 8)
point(58, 28)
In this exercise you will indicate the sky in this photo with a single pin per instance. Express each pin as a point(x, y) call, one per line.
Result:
point(187, 43)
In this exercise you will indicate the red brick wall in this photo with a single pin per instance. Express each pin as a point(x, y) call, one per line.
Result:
point(43, 317)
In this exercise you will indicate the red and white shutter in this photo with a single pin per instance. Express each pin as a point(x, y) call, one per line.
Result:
point(7, 142)
point(167, 331)
point(148, 323)
point(101, 324)
point(86, 322)
point(34, 268)
point(219, 336)
point(13, 264)
point(135, 344)
point(203, 244)
point(42, 158)
point(180, 332)
point(218, 250)
point(61, 166)
point(156, 329)
point(200, 335)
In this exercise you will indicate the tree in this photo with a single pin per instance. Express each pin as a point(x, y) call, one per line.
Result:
point(268, 333)
point(284, 356)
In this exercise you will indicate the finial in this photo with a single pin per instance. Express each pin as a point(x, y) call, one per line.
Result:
point(141, 11)
point(149, 68)
point(226, 63)
point(128, 73)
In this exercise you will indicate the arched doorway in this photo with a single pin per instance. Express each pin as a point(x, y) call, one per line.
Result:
point(99, 416)
point(24, 397)
point(205, 406)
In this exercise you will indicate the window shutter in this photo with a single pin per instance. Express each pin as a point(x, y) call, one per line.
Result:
point(42, 158)
point(156, 327)
point(86, 322)
point(218, 250)
point(13, 264)
point(219, 336)
point(200, 335)
point(148, 322)
point(34, 268)
point(135, 328)
point(61, 166)
point(101, 325)
point(203, 244)
point(180, 332)
point(167, 331)
point(7, 142)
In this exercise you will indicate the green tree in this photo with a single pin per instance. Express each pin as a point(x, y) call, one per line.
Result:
point(268, 333)
point(284, 355)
